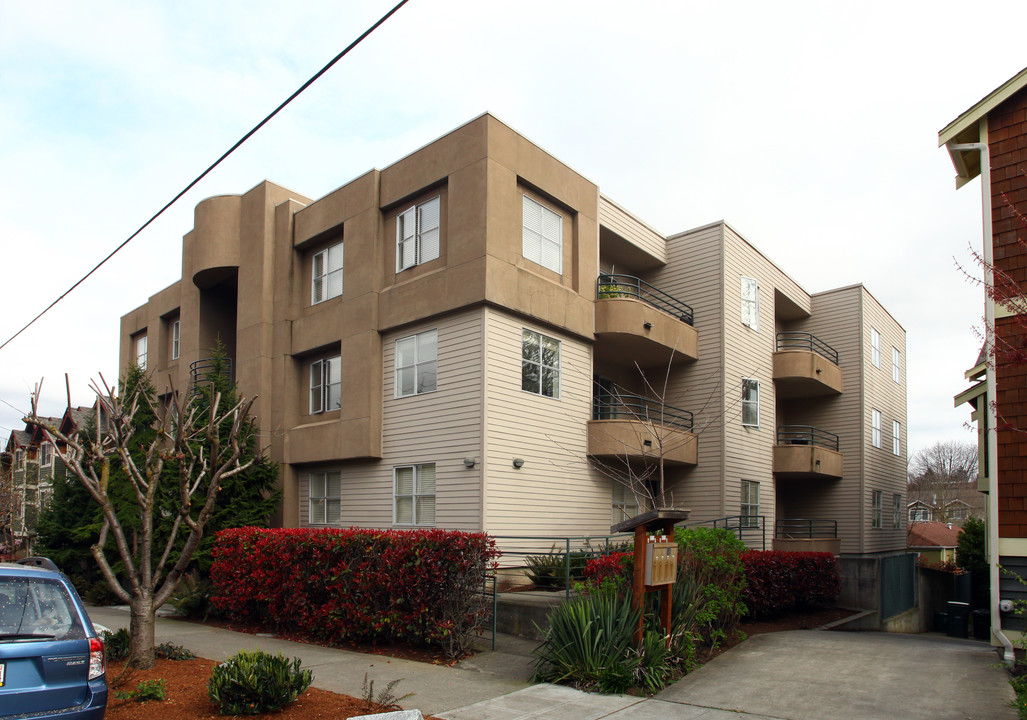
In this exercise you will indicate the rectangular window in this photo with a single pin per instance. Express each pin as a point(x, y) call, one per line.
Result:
point(751, 303)
point(876, 510)
point(750, 508)
point(46, 454)
point(140, 349)
point(896, 437)
point(19, 458)
point(624, 504)
point(895, 362)
point(540, 364)
point(542, 236)
point(326, 385)
point(414, 495)
point(325, 498)
point(875, 428)
point(326, 274)
point(919, 514)
point(875, 348)
point(896, 512)
point(176, 339)
point(417, 234)
point(417, 363)
point(750, 402)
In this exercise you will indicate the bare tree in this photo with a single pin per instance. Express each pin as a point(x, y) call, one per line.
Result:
point(188, 447)
point(942, 474)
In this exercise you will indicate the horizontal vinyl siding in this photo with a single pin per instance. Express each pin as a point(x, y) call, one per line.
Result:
point(556, 492)
point(631, 229)
point(441, 427)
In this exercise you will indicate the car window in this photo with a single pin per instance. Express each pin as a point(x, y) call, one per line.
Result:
point(40, 607)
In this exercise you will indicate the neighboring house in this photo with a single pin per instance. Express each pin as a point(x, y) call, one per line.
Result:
point(938, 507)
point(990, 140)
point(476, 338)
point(934, 542)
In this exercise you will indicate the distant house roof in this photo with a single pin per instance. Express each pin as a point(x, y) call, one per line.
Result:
point(19, 438)
point(932, 535)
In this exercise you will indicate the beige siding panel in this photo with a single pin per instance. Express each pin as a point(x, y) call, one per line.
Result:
point(632, 229)
point(441, 427)
point(556, 492)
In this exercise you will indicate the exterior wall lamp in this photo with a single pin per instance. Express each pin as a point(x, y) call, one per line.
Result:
point(469, 462)
point(518, 463)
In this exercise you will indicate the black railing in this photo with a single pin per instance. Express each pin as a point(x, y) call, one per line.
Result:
point(806, 435)
point(806, 341)
point(629, 286)
point(750, 529)
point(635, 407)
point(201, 370)
point(805, 529)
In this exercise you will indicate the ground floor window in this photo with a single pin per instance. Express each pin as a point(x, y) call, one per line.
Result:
point(625, 504)
point(414, 498)
point(750, 508)
point(896, 519)
point(325, 498)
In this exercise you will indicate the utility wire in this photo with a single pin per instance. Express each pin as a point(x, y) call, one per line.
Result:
point(217, 162)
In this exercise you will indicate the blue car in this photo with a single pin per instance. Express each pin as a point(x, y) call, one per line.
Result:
point(51, 658)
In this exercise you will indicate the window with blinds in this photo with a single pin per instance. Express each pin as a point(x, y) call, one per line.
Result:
point(417, 234)
point(414, 497)
point(542, 237)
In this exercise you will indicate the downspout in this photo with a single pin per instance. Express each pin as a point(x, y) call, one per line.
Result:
point(1008, 655)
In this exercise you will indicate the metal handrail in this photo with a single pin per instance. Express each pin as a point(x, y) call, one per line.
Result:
point(742, 525)
point(793, 528)
point(201, 369)
point(643, 409)
point(795, 340)
point(629, 286)
point(568, 553)
point(806, 435)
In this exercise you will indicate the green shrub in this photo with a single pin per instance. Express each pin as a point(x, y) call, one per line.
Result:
point(252, 683)
point(1019, 684)
point(146, 690)
point(550, 569)
point(115, 644)
point(711, 560)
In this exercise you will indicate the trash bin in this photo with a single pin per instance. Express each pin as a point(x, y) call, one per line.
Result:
point(959, 618)
point(982, 624)
point(941, 621)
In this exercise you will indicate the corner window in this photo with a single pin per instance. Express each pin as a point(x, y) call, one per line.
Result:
point(624, 504)
point(326, 385)
point(751, 303)
point(140, 350)
point(896, 512)
point(417, 363)
point(542, 235)
point(176, 339)
point(876, 510)
point(326, 274)
point(46, 454)
point(325, 498)
point(895, 364)
point(414, 496)
point(750, 402)
point(540, 364)
point(750, 506)
point(875, 428)
point(896, 437)
point(417, 234)
point(875, 348)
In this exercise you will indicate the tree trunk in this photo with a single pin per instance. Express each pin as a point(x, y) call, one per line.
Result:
point(142, 627)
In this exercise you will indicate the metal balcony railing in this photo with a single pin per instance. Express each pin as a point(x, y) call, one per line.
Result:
point(202, 369)
point(642, 409)
point(629, 286)
point(805, 529)
point(806, 435)
point(792, 340)
point(750, 529)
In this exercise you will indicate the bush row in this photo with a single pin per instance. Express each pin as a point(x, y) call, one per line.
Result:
point(783, 581)
point(419, 586)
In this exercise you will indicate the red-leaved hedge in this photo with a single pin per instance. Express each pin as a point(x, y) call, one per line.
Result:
point(782, 581)
point(419, 586)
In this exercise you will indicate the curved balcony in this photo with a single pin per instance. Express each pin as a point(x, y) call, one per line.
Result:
point(803, 451)
point(805, 366)
point(635, 428)
point(638, 323)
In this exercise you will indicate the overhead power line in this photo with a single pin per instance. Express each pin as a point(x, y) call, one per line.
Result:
point(217, 162)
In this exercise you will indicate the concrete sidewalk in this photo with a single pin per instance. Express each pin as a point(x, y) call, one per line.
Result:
point(798, 675)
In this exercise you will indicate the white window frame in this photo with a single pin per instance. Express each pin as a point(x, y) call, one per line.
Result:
point(324, 497)
point(46, 454)
point(544, 368)
point(326, 280)
point(875, 428)
point(875, 348)
point(419, 234)
point(322, 384)
point(896, 367)
point(896, 515)
point(424, 363)
point(176, 339)
point(877, 510)
point(750, 387)
point(624, 503)
point(918, 513)
point(896, 437)
point(749, 508)
point(750, 303)
point(140, 343)
point(541, 235)
point(422, 488)
point(19, 458)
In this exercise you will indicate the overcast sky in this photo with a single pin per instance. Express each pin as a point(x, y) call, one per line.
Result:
point(810, 127)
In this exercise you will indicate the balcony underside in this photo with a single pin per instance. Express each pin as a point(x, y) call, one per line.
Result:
point(807, 461)
point(627, 440)
point(630, 331)
point(803, 373)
